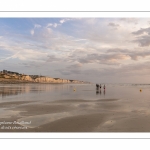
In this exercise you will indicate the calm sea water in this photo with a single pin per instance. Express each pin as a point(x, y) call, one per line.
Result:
point(51, 92)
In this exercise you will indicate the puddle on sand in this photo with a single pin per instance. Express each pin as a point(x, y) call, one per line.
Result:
point(39, 120)
point(109, 123)
point(5, 113)
point(106, 124)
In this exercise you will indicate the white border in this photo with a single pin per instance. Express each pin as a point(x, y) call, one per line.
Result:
point(76, 5)
point(73, 14)
point(74, 135)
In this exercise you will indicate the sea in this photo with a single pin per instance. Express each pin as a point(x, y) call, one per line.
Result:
point(52, 92)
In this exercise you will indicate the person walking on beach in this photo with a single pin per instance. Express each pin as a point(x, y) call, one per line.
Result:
point(104, 86)
point(100, 86)
point(97, 86)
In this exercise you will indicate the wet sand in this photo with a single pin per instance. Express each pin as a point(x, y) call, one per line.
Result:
point(76, 115)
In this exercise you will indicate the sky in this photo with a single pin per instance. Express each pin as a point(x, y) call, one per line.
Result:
point(98, 50)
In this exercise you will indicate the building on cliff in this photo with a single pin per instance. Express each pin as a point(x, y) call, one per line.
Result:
point(10, 72)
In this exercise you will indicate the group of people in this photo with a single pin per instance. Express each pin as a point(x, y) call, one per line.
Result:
point(99, 86)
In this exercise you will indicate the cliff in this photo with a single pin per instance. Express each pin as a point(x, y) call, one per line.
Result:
point(34, 78)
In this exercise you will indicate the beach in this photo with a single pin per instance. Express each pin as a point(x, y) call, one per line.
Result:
point(75, 116)
point(102, 114)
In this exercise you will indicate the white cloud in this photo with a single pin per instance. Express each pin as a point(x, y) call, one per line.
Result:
point(65, 20)
point(52, 25)
point(62, 21)
point(37, 26)
point(55, 25)
point(32, 32)
point(49, 25)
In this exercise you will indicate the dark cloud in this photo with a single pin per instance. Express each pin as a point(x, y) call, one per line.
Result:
point(52, 58)
point(118, 50)
point(111, 24)
point(85, 60)
point(78, 65)
point(143, 41)
point(110, 59)
point(142, 31)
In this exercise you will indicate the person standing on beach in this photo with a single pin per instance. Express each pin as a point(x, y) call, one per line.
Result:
point(104, 86)
point(97, 86)
point(100, 86)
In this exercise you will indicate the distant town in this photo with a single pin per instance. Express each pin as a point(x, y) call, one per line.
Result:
point(15, 76)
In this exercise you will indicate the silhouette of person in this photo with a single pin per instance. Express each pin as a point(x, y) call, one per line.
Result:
point(104, 86)
point(100, 86)
point(97, 85)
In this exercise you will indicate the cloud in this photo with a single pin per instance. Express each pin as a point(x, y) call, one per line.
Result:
point(84, 60)
point(13, 56)
point(111, 24)
point(77, 65)
point(130, 20)
point(52, 58)
point(143, 38)
point(37, 26)
point(64, 72)
point(52, 25)
point(55, 25)
point(62, 21)
point(99, 31)
point(32, 32)
point(79, 40)
point(118, 50)
point(138, 69)
point(142, 31)
point(143, 41)
point(128, 72)
point(69, 72)
point(109, 59)
point(133, 54)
